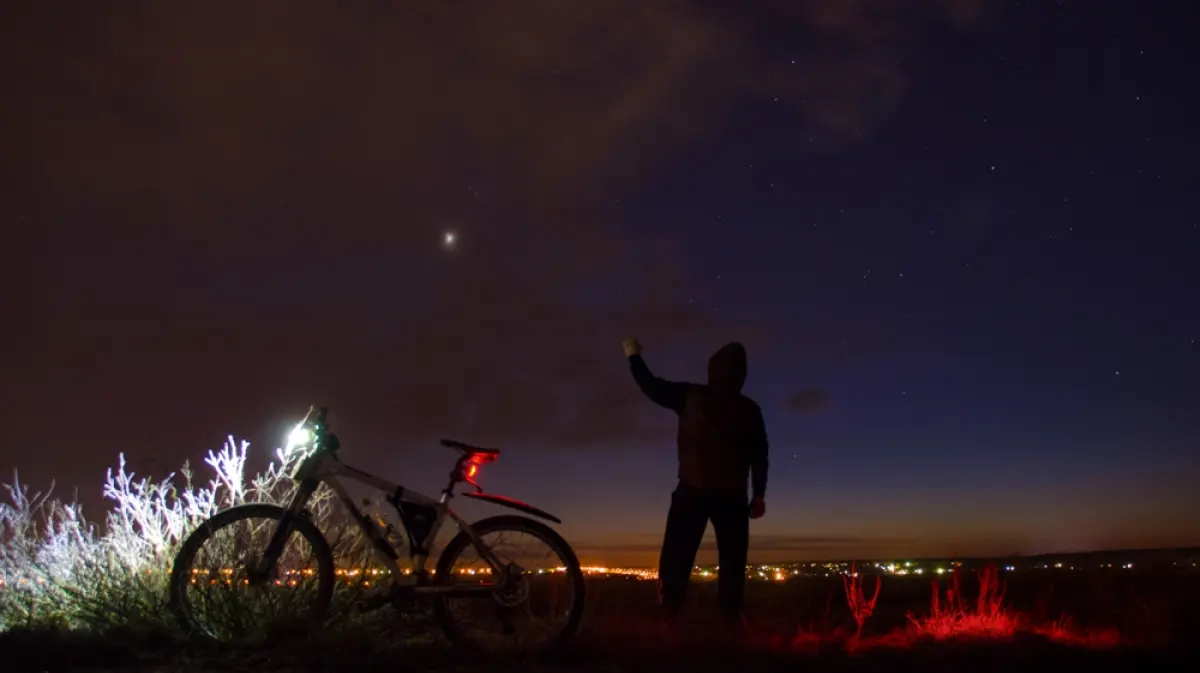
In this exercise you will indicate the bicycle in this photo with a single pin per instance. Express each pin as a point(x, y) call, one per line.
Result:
point(502, 586)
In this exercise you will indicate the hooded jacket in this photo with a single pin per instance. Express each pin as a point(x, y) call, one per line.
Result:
point(722, 438)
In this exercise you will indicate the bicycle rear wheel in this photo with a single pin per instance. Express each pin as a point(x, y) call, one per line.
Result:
point(504, 619)
point(215, 593)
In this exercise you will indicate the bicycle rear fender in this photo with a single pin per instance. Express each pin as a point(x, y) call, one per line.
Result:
point(513, 503)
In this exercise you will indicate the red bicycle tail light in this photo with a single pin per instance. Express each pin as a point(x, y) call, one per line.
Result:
point(471, 468)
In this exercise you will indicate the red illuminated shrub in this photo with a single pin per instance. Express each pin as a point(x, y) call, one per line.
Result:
point(860, 606)
point(952, 615)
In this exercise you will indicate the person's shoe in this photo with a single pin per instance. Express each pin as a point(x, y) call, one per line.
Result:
point(669, 627)
point(736, 628)
point(669, 612)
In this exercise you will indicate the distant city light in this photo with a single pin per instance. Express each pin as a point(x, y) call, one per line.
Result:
point(776, 572)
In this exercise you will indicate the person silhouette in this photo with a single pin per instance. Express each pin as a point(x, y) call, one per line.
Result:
point(722, 440)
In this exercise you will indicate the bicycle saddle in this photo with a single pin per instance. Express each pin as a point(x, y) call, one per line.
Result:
point(468, 448)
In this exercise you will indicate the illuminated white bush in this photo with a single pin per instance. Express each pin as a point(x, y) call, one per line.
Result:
point(57, 569)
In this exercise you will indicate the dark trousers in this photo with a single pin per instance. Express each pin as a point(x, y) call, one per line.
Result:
point(691, 510)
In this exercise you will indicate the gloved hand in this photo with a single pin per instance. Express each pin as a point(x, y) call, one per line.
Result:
point(631, 345)
point(758, 507)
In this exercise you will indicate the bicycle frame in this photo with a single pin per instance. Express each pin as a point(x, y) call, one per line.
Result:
point(326, 468)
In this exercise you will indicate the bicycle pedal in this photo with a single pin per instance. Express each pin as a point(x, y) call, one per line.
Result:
point(372, 603)
point(510, 629)
point(406, 605)
point(404, 598)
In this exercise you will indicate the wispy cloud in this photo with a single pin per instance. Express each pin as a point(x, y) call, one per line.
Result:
point(241, 203)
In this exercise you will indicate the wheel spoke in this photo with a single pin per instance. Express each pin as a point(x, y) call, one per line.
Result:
point(216, 592)
point(536, 599)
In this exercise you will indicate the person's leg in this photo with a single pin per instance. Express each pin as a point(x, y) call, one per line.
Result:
point(731, 522)
point(686, 522)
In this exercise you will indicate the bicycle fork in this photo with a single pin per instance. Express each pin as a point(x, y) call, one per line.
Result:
point(265, 566)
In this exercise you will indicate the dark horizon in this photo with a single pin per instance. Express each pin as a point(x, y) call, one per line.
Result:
point(1158, 554)
point(970, 223)
point(707, 557)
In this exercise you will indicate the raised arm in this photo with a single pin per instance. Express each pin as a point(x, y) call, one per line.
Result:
point(669, 394)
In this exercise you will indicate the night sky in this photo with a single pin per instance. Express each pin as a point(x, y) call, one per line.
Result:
point(973, 225)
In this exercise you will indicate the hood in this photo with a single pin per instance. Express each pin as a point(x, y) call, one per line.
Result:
point(727, 368)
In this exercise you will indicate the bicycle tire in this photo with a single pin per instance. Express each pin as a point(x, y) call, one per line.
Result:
point(181, 569)
point(462, 541)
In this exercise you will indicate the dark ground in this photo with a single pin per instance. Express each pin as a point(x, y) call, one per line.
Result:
point(799, 624)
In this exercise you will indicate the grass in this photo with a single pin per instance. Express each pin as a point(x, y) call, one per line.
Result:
point(78, 596)
point(622, 633)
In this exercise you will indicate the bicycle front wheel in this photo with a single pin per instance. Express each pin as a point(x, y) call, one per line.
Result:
point(540, 606)
point(217, 590)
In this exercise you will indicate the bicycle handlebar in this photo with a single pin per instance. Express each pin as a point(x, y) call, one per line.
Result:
point(316, 414)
